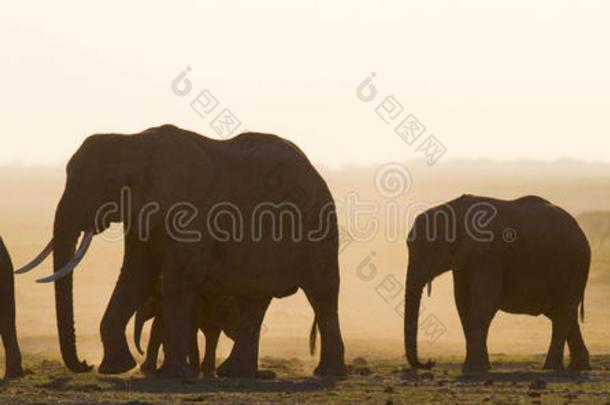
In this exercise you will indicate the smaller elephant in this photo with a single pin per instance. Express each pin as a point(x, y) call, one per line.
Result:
point(214, 312)
point(7, 316)
point(523, 256)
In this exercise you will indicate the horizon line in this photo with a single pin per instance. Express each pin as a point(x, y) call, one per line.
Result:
point(416, 161)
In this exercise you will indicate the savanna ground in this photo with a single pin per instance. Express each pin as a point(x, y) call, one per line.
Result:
point(514, 380)
point(372, 280)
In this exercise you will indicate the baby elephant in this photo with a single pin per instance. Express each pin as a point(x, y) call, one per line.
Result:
point(214, 312)
point(7, 316)
point(523, 256)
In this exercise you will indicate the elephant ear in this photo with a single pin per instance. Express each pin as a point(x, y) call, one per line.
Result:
point(142, 186)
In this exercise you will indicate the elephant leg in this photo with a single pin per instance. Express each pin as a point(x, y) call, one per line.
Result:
point(136, 282)
point(461, 293)
point(477, 356)
point(554, 357)
point(193, 355)
point(212, 334)
point(154, 344)
point(579, 355)
point(11, 352)
point(324, 301)
point(178, 302)
point(243, 360)
point(485, 293)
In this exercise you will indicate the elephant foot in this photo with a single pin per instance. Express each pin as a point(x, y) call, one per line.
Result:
point(148, 367)
point(339, 370)
point(195, 368)
point(117, 365)
point(13, 372)
point(475, 368)
point(579, 364)
point(209, 373)
point(553, 365)
point(175, 371)
point(233, 369)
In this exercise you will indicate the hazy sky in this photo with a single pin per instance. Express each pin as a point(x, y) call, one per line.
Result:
point(516, 79)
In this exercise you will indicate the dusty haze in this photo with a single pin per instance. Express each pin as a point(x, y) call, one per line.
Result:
point(370, 322)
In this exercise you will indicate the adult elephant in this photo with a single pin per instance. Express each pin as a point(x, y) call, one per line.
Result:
point(525, 256)
point(195, 207)
point(7, 316)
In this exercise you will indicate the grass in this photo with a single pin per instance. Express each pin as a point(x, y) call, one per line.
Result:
point(514, 380)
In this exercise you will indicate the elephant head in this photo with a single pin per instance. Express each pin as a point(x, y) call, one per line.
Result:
point(432, 241)
point(97, 173)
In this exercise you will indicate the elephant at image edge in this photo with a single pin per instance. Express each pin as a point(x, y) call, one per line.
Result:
point(166, 168)
point(7, 316)
point(530, 257)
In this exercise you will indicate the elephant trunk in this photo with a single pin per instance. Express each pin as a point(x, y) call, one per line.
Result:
point(64, 241)
point(413, 294)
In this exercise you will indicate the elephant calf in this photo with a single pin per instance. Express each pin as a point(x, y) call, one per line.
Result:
point(524, 256)
point(215, 312)
point(7, 316)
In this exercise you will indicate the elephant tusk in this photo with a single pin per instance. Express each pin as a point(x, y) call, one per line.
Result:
point(74, 261)
point(39, 259)
point(429, 288)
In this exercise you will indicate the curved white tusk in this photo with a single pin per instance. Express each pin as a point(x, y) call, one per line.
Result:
point(74, 261)
point(39, 259)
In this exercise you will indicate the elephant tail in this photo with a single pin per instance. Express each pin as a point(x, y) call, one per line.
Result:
point(312, 337)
